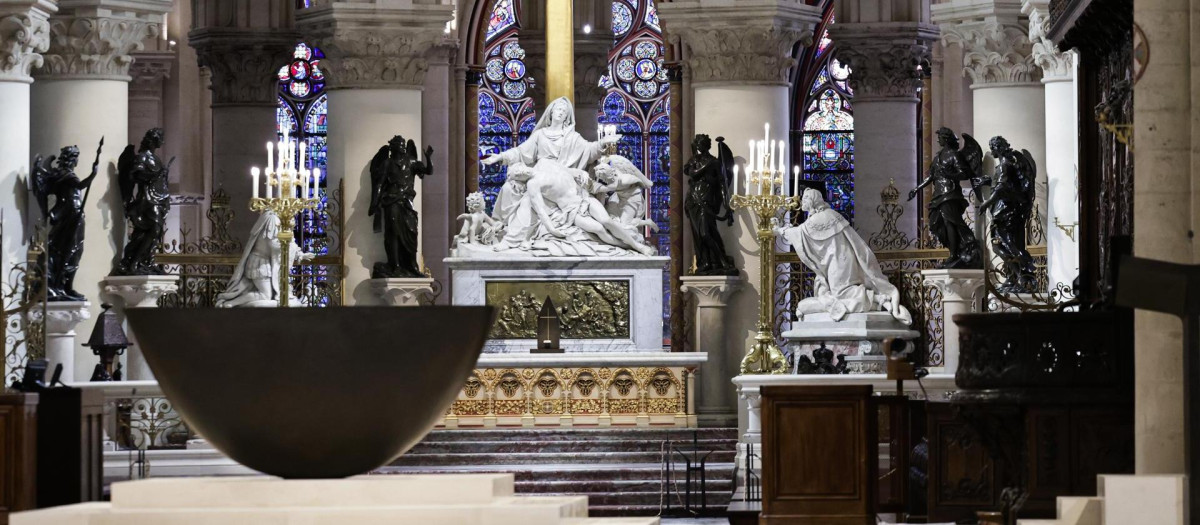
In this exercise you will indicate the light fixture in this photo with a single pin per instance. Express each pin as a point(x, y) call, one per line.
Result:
point(587, 29)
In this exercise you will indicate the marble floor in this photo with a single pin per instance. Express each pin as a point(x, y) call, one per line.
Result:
point(695, 521)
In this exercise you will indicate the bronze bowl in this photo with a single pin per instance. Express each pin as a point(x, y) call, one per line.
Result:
point(312, 392)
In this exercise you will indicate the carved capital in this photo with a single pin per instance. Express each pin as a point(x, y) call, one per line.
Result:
point(87, 42)
point(993, 52)
point(955, 285)
point(140, 291)
point(369, 47)
point(710, 291)
point(884, 57)
point(243, 63)
point(63, 317)
point(404, 291)
point(24, 36)
point(1056, 65)
point(741, 43)
point(148, 72)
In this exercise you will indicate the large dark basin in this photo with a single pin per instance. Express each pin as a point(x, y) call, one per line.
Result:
point(311, 392)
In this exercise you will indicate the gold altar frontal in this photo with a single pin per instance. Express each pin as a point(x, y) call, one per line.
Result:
point(576, 396)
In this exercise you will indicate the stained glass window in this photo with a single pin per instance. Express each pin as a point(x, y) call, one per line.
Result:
point(506, 114)
point(636, 102)
point(827, 122)
point(302, 113)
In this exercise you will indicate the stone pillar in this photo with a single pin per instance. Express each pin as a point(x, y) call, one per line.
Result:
point(1062, 148)
point(149, 71)
point(1008, 99)
point(591, 62)
point(24, 35)
point(376, 63)
point(740, 63)
point(438, 226)
point(61, 319)
point(81, 94)
point(961, 294)
point(717, 404)
point(243, 65)
point(884, 58)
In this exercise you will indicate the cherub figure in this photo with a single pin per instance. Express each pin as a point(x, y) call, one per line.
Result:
point(478, 227)
point(628, 188)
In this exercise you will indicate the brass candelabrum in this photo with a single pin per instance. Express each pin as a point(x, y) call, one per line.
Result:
point(285, 204)
point(764, 356)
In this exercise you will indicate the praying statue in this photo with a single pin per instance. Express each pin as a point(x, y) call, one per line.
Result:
point(64, 241)
point(707, 203)
point(143, 180)
point(394, 170)
point(255, 280)
point(847, 278)
point(949, 168)
point(1011, 204)
point(552, 205)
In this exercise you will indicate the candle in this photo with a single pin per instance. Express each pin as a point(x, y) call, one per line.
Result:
point(770, 156)
point(280, 165)
point(316, 182)
point(766, 131)
point(735, 178)
point(270, 156)
point(782, 161)
point(796, 180)
point(302, 151)
point(254, 177)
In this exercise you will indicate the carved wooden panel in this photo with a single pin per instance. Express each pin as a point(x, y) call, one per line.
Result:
point(820, 455)
point(962, 476)
point(18, 453)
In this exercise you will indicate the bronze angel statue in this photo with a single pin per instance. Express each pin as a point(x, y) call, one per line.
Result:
point(1011, 204)
point(707, 203)
point(950, 167)
point(143, 180)
point(393, 186)
point(64, 242)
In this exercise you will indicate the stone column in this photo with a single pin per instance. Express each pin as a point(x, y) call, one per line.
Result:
point(1062, 147)
point(82, 94)
point(61, 319)
point(24, 35)
point(884, 59)
point(377, 58)
point(961, 294)
point(717, 404)
point(243, 64)
point(1008, 99)
point(149, 71)
point(740, 61)
point(438, 226)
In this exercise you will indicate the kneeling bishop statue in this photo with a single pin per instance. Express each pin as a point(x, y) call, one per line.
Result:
point(255, 280)
point(847, 276)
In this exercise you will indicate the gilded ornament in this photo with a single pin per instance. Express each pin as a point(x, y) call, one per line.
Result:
point(590, 309)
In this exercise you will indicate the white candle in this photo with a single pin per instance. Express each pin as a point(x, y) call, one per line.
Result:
point(782, 160)
point(316, 186)
point(280, 165)
point(770, 155)
point(270, 156)
point(292, 155)
point(796, 180)
point(302, 152)
point(254, 177)
point(735, 178)
point(766, 132)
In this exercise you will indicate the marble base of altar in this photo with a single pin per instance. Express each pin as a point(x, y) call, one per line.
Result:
point(407, 291)
point(578, 390)
point(442, 499)
point(141, 291)
point(857, 336)
point(606, 304)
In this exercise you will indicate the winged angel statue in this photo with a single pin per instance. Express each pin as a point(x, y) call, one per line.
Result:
point(143, 180)
point(950, 167)
point(64, 243)
point(552, 205)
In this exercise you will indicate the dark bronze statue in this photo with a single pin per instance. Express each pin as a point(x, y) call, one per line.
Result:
point(143, 180)
point(1011, 204)
point(707, 203)
point(64, 242)
point(393, 186)
point(949, 168)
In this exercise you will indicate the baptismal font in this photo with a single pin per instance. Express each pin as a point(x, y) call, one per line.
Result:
point(763, 174)
point(290, 188)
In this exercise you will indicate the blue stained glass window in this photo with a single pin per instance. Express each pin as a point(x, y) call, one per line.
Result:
point(506, 114)
point(828, 126)
point(504, 16)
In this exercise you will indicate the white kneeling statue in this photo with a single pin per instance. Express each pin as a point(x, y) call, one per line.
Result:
point(848, 279)
point(255, 281)
point(551, 205)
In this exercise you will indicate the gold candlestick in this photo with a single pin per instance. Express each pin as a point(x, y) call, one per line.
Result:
point(764, 356)
point(285, 206)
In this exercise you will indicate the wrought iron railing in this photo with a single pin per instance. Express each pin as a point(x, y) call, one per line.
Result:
point(23, 307)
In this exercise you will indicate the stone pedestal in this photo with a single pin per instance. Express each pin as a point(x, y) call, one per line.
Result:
point(961, 293)
point(460, 499)
point(61, 319)
point(858, 336)
point(717, 400)
point(403, 291)
point(138, 291)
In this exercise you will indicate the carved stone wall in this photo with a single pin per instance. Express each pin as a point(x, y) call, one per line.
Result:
point(243, 63)
point(994, 51)
point(98, 44)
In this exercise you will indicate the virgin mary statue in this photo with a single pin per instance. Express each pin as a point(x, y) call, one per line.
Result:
point(549, 166)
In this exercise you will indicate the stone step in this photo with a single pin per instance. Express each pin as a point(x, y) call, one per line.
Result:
point(599, 511)
point(718, 486)
point(527, 458)
point(547, 446)
point(582, 434)
point(647, 499)
point(548, 473)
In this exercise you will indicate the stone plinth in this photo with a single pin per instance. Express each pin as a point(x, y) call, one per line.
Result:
point(138, 291)
point(444, 499)
point(61, 319)
point(961, 294)
point(410, 291)
point(857, 336)
point(500, 281)
point(717, 401)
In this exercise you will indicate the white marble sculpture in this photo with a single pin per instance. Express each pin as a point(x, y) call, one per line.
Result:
point(478, 227)
point(255, 280)
point(848, 279)
point(550, 205)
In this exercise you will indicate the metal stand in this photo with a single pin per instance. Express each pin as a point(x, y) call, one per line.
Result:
point(695, 463)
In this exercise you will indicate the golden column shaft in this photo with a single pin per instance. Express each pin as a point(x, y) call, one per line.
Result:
point(560, 50)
